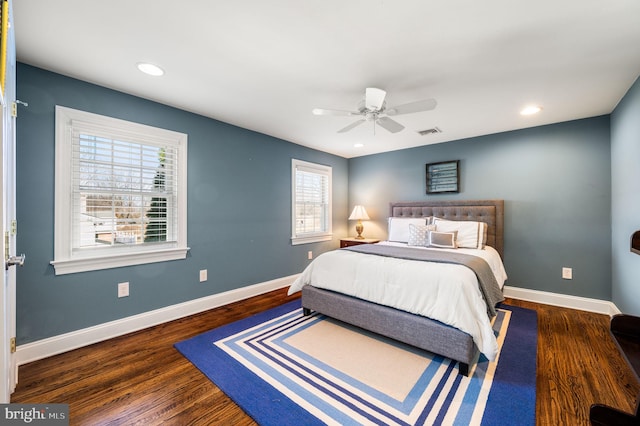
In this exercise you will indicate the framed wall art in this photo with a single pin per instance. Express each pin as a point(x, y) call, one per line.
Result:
point(443, 177)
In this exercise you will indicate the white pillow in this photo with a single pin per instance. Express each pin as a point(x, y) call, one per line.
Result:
point(470, 234)
point(399, 227)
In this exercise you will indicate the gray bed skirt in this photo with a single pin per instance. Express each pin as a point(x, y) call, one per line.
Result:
point(415, 330)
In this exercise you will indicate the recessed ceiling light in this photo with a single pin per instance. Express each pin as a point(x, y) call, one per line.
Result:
point(532, 109)
point(150, 69)
point(358, 145)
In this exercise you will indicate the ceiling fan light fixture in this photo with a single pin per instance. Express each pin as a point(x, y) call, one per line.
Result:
point(530, 110)
point(150, 69)
point(373, 108)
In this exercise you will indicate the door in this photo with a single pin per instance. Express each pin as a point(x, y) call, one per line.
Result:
point(8, 367)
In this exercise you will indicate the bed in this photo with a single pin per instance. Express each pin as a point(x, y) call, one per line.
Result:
point(418, 330)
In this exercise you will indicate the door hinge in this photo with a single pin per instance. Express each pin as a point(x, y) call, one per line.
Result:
point(12, 344)
point(14, 107)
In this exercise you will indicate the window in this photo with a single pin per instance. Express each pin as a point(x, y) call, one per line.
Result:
point(120, 193)
point(311, 202)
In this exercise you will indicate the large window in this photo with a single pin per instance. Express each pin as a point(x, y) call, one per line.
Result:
point(120, 193)
point(311, 206)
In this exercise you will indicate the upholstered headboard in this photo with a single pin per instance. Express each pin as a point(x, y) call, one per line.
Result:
point(489, 211)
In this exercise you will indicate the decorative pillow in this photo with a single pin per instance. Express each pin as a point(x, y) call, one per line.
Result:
point(443, 239)
point(399, 227)
point(471, 234)
point(483, 241)
point(419, 234)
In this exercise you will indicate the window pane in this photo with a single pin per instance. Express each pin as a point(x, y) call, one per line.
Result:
point(125, 192)
point(312, 200)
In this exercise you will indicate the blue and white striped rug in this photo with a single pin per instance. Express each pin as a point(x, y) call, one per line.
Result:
point(283, 368)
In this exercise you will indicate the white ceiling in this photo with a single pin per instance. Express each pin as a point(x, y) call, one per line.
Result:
point(264, 65)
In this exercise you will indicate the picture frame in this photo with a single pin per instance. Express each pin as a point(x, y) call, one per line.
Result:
point(443, 177)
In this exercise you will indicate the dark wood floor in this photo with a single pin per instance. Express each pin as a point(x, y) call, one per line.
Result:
point(141, 379)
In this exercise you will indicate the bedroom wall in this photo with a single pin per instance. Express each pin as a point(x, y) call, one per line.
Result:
point(556, 183)
point(238, 211)
point(625, 200)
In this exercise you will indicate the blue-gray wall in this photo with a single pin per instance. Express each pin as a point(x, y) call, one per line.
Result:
point(239, 211)
point(556, 183)
point(625, 200)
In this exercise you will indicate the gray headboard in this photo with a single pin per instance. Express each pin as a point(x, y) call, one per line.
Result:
point(489, 211)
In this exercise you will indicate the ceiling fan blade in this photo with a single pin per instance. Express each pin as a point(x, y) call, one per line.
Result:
point(418, 106)
point(320, 111)
point(374, 98)
point(351, 126)
point(389, 124)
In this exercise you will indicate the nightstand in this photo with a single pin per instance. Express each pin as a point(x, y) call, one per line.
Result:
point(346, 242)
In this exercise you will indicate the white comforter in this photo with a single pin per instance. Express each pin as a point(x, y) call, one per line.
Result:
point(446, 292)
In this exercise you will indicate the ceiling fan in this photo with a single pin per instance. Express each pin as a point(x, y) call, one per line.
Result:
point(374, 108)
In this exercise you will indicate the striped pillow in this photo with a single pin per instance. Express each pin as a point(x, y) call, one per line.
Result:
point(471, 234)
point(443, 239)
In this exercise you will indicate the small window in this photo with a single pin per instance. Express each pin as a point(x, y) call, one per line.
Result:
point(120, 195)
point(311, 202)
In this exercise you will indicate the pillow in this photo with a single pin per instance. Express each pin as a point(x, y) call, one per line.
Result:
point(443, 239)
point(399, 227)
point(471, 234)
point(419, 234)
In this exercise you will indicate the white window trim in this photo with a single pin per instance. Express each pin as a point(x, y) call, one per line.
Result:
point(65, 260)
point(316, 168)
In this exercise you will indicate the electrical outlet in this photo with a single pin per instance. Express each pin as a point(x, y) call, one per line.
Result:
point(567, 273)
point(123, 289)
point(203, 275)
point(309, 255)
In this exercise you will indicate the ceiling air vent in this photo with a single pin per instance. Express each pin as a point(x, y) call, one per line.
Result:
point(429, 131)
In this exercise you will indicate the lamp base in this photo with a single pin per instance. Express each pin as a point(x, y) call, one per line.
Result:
point(359, 229)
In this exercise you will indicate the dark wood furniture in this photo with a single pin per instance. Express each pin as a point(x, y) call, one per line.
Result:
point(348, 242)
point(635, 242)
point(625, 330)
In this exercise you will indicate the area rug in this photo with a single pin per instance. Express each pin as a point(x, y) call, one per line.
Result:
point(283, 368)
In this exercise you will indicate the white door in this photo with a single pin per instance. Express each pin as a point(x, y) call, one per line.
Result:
point(8, 367)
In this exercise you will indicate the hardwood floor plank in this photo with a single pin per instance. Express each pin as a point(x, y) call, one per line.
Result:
point(578, 365)
point(141, 379)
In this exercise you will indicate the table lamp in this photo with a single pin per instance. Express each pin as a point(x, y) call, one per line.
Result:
point(359, 214)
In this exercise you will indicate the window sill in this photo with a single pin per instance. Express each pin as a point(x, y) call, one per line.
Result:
point(86, 264)
point(310, 239)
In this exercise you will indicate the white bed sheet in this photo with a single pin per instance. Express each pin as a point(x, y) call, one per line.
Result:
point(445, 292)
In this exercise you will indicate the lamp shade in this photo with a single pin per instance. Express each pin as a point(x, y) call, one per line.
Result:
point(359, 213)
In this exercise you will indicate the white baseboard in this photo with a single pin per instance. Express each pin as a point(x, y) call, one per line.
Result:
point(562, 300)
point(65, 342)
point(40, 349)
